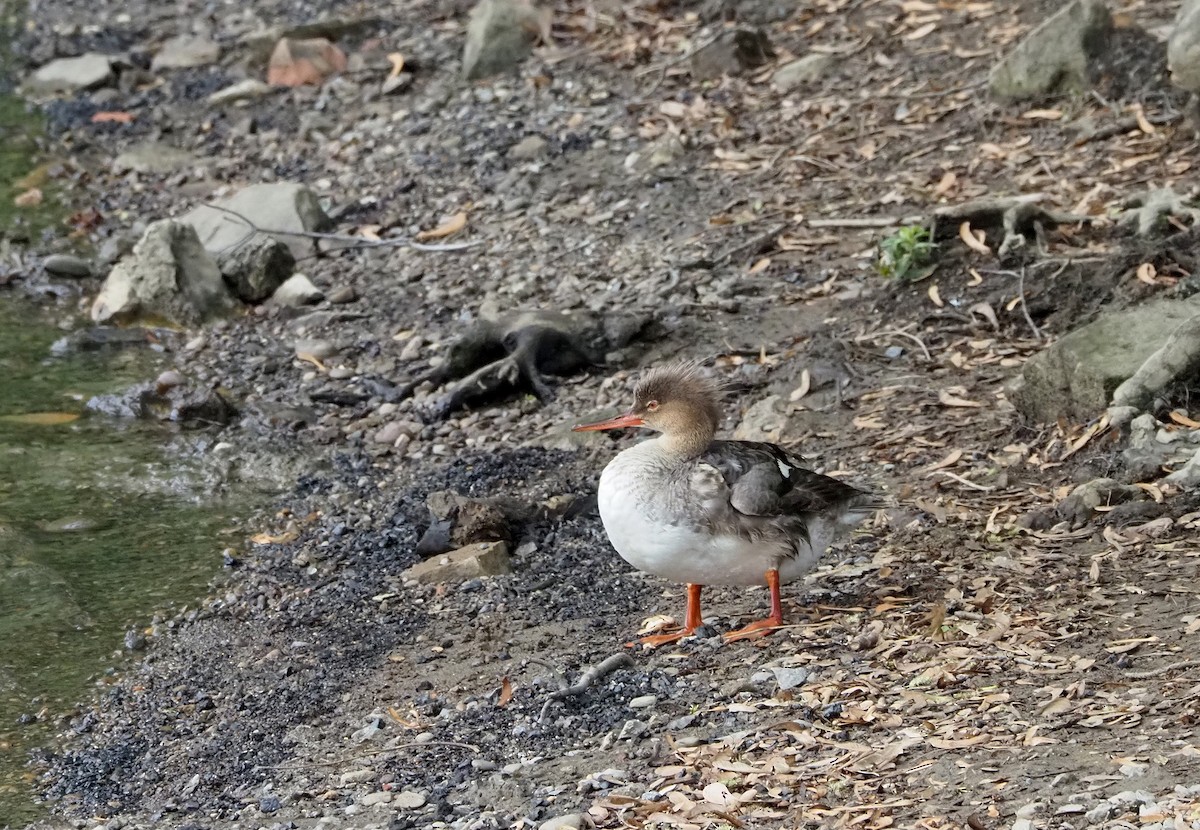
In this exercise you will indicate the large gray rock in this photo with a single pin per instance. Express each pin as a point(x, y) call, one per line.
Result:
point(1056, 56)
point(168, 275)
point(500, 35)
point(282, 209)
point(71, 74)
point(256, 268)
point(1183, 47)
point(1076, 376)
point(1176, 360)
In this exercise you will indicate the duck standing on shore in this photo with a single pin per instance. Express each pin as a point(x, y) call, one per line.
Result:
point(701, 511)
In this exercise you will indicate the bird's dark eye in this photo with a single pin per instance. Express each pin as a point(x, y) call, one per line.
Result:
point(653, 405)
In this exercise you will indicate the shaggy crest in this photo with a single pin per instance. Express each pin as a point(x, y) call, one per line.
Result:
point(685, 381)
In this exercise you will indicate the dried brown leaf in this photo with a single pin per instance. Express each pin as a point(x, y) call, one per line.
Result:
point(449, 227)
point(973, 239)
point(935, 296)
point(506, 693)
point(950, 397)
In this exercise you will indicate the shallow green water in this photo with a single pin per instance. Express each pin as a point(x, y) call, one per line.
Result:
point(99, 527)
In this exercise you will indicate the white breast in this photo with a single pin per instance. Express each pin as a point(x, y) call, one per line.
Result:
point(657, 531)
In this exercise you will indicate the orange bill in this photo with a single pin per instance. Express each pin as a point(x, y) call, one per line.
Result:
point(626, 420)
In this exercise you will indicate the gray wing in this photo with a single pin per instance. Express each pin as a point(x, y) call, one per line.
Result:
point(764, 480)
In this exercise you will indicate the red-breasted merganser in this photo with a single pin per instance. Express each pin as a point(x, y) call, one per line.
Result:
point(700, 511)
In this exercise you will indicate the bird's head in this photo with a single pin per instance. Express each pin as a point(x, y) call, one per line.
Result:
point(675, 399)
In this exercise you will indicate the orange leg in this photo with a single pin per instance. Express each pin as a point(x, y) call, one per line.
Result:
point(690, 624)
point(760, 628)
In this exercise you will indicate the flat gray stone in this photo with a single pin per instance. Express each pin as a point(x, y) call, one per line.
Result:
point(806, 70)
point(153, 158)
point(528, 148)
point(1057, 55)
point(281, 209)
point(483, 559)
point(1075, 377)
point(71, 74)
point(183, 51)
point(168, 275)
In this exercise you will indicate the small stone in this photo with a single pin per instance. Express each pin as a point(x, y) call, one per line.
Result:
point(789, 678)
point(571, 821)
point(396, 83)
point(643, 702)
point(357, 776)
point(304, 61)
point(343, 294)
point(371, 799)
point(269, 804)
point(65, 265)
point(389, 433)
point(1022, 824)
point(1028, 810)
point(297, 291)
point(408, 800)
point(893, 352)
point(483, 765)
point(167, 380)
point(1100, 813)
point(135, 640)
point(368, 733)
point(528, 148)
point(241, 91)
point(632, 730)
point(1070, 810)
point(1134, 770)
point(412, 349)
point(320, 349)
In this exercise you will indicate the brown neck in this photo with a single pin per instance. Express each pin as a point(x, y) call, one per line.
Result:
point(690, 443)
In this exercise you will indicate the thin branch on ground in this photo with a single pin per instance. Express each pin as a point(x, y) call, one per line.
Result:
point(353, 242)
point(1037, 333)
point(1161, 670)
point(964, 482)
point(589, 677)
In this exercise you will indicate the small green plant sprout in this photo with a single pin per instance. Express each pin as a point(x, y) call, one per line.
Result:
point(906, 254)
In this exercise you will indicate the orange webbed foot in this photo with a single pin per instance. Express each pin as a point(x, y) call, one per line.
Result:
point(656, 640)
point(756, 629)
point(761, 628)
